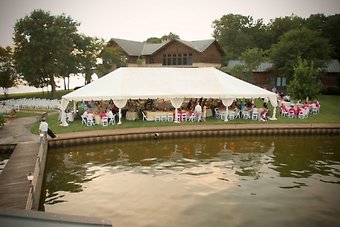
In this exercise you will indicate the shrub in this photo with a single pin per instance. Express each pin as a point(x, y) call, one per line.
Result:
point(2, 120)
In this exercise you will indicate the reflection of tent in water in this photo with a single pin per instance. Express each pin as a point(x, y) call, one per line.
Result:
point(249, 163)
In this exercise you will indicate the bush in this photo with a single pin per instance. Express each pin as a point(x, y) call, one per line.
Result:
point(2, 120)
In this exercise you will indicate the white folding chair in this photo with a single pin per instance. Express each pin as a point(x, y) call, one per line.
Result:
point(217, 113)
point(112, 120)
point(90, 121)
point(164, 117)
point(157, 117)
point(255, 114)
point(105, 121)
point(144, 116)
point(83, 120)
point(170, 117)
point(192, 117)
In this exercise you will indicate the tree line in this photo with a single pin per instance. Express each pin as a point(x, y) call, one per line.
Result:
point(48, 46)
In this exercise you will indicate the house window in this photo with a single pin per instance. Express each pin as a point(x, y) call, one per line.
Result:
point(281, 81)
point(185, 59)
point(179, 59)
point(169, 59)
point(190, 59)
point(174, 59)
point(164, 59)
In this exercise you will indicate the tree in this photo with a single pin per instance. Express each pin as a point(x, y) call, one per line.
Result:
point(42, 45)
point(252, 58)
point(331, 31)
point(170, 36)
point(305, 82)
point(8, 75)
point(307, 44)
point(86, 52)
point(281, 25)
point(153, 40)
point(237, 33)
point(112, 57)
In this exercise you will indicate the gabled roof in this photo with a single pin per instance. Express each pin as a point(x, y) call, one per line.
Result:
point(333, 66)
point(263, 67)
point(136, 48)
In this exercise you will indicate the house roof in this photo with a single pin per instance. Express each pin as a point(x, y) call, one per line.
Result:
point(263, 67)
point(136, 48)
point(333, 66)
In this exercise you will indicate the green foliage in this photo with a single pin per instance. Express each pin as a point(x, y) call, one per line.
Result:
point(237, 33)
point(8, 75)
point(307, 44)
point(153, 40)
point(170, 36)
point(252, 58)
point(111, 56)
point(2, 120)
point(49, 46)
point(281, 25)
point(330, 30)
point(305, 82)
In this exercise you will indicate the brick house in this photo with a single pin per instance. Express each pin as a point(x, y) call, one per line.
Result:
point(266, 76)
point(173, 53)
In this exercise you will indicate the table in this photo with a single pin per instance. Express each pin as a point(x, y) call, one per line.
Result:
point(131, 115)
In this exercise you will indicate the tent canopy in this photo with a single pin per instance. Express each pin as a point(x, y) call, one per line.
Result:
point(167, 83)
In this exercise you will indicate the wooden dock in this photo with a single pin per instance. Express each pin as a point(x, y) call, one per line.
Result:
point(14, 186)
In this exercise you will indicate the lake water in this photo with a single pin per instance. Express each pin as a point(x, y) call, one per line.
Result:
point(247, 181)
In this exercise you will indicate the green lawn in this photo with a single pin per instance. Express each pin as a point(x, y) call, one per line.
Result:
point(329, 113)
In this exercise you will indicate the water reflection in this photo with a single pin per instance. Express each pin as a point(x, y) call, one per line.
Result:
point(224, 170)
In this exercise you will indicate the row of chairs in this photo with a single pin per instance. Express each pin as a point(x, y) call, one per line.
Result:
point(32, 103)
point(170, 117)
point(105, 121)
point(254, 114)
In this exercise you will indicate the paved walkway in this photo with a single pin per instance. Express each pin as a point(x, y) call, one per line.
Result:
point(18, 130)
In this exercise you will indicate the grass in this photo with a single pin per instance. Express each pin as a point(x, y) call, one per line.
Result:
point(329, 113)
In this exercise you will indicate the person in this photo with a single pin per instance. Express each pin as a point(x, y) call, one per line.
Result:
point(198, 111)
point(44, 130)
point(204, 116)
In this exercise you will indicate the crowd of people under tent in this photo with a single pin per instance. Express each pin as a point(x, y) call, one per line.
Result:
point(202, 108)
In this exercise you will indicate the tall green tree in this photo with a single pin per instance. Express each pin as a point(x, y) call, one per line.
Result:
point(232, 33)
point(331, 31)
point(153, 40)
point(112, 57)
point(170, 36)
point(87, 51)
point(306, 80)
point(8, 75)
point(281, 25)
point(307, 44)
point(42, 44)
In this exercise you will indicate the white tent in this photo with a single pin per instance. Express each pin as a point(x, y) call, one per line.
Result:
point(167, 83)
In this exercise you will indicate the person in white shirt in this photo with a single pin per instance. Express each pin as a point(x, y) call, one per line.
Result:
point(198, 111)
point(44, 130)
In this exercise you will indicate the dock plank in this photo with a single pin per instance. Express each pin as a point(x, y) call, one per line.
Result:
point(14, 186)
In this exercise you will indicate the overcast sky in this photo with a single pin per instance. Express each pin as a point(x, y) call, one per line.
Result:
point(141, 19)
